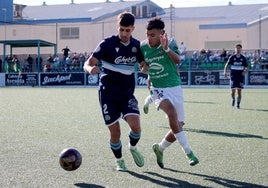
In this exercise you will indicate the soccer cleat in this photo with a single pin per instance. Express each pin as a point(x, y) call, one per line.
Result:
point(159, 155)
point(138, 158)
point(120, 165)
point(147, 102)
point(146, 108)
point(238, 105)
point(233, 102)
point(193, 160)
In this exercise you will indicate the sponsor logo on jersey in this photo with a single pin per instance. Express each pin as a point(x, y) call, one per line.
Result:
point(125, 60)
point(134, 50)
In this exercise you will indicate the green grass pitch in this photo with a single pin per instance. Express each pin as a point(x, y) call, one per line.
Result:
point(37, 123)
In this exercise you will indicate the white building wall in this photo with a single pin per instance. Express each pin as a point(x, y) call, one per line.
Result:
point(255, 36)
point(92, 33)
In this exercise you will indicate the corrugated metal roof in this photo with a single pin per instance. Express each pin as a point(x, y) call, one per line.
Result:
point(230, 14)
point(27, 43)
point(219, 15)
point(95, 11)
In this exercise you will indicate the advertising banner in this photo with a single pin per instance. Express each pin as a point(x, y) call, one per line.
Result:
point(184, 78)
point(62, 79)
point(24, 79)
point(205, 78)
point(257, 78)
point(81, 79)
point(223, 80)
point(2, 79)
point(142, 79)
point(92, 80)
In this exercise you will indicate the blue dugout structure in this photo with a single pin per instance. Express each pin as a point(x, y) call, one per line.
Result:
point(36, 43)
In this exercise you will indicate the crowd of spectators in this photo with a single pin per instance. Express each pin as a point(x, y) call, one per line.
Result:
point(68, 63)
point(48, 63)
point(257, 59)
point(12, 64)
point(198, 58)
point(73, 62)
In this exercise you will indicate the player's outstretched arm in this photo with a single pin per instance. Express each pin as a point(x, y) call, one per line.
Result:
point(173, 56)
point(225, 70)
point(90, 65)
point(144, 67)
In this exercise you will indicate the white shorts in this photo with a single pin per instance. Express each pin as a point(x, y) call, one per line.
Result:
point(174, 95)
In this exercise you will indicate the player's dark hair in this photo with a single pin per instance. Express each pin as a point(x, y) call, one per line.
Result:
point(238, 45)
point(155, 23)
point(126, 19)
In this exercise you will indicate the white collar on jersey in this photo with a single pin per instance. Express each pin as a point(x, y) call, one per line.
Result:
point(125, 43)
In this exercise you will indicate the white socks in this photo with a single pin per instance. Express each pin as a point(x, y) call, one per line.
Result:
point(182, 139)
point(148, 100)
point(131, 147)
point(164, 144)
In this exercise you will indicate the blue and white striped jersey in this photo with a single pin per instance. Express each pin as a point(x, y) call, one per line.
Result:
point(118, 61)
point(237, 65)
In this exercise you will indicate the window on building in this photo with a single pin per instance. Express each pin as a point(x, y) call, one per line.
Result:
point(69, 33)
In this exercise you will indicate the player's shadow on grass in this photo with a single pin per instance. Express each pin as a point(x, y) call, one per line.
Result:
point(240, 135)
point(166, 182)
point(218, 180)
point(251, 109)
point(87, 185)
point(199, 102)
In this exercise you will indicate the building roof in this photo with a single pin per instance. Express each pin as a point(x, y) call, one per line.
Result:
point(89, 11)
point(224, 16)
point(27, 43)
point(229, 16)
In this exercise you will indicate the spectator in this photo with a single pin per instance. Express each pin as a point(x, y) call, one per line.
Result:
point(56, 64)
point(49, 63)
point(195, 56)
point(228, 54)
point(257, 55)
point(1, 63)
point(255, 61)
point(215, 56)
point(66, 51)
point(67, 64)
point(30, 63)
point(82, 59)
point(182, 51)
point(40, 61)
point(75, 61)
point(264, 59)
point(248, 56)
point(203, 56)
point(195, 59)
point(208, 54)
point(13, 64)
point(223, 55)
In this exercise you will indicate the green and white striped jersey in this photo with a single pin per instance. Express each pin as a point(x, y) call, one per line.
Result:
point(162, 70)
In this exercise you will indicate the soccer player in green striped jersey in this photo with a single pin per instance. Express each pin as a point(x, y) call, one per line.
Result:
point(161, 56)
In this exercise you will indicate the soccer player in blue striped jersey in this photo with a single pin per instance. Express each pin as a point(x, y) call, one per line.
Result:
point(238, 68)
point(118, 55)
